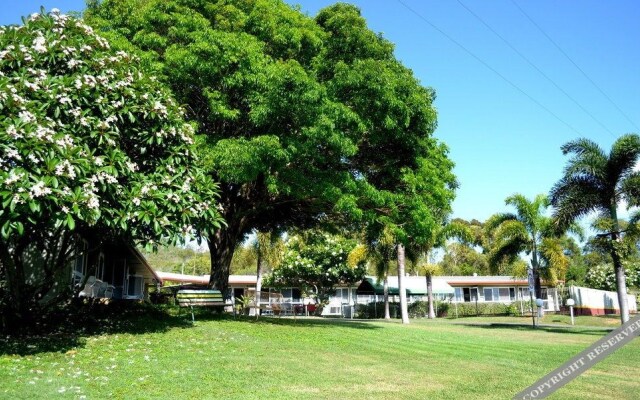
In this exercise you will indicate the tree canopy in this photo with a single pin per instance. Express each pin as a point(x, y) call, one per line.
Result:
point(301, 120)
point(90, 147)
point(316, 263)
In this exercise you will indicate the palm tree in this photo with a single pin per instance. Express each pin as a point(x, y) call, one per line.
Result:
point(431, 270)
point(439, 236)
point(400, 249)
point(594, 181)
point(268, 248)
point(531, 232)
point(380, 251)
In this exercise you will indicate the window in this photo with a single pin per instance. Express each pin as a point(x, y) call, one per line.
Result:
point(135, 286)
point(488, 294)
point(458, 293)
point(504, 294)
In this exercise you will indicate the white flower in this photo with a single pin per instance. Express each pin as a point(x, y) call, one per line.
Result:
point(13, 153)
point(132, 166)
point(13, 132)
point(39, 44)
point(73, 63)
point(159, 108)
point(93, 202)
point(136, 201)
point(39, 190)
point(64, 99)
point(13, 178)
point(26, 117)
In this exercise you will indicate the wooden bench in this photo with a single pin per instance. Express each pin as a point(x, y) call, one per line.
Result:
point(199, 298)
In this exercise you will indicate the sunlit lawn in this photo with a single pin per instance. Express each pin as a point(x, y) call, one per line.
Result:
point(221, 358)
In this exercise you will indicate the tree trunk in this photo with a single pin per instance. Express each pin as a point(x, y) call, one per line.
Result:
point(221, 248)
point(403, 293)
point(387, 314)
point(432, 315)
point(621, 284)
point(536, 273)
point(259, 280)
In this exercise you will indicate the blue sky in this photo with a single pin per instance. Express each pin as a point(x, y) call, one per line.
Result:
point(501, 140)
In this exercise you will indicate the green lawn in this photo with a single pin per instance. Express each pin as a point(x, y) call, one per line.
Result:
point(151, 356)
point(603, 321)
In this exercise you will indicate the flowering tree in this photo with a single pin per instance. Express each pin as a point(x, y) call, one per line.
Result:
point(603, 276)
point(316, 264)
point(89, 147)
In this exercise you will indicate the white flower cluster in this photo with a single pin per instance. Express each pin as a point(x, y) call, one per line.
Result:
point(65, 169)
point(39, 190)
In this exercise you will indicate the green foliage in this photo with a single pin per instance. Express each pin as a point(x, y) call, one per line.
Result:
point(480, 308)
point(316, 263)
point(91, 147)
point(303, 121)
point(603, 276)
point(528, 231)
point(375, 310)
point(89, 140)
point(596, 181)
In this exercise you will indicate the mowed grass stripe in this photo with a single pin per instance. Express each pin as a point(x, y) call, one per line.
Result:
point(319, 359)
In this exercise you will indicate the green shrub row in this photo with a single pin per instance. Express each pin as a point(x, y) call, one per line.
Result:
point(420, 309)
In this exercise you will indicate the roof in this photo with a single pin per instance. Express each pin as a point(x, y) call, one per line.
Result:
point(415, 285)
point(497, 280)
point(174, 277)
point(204, 279)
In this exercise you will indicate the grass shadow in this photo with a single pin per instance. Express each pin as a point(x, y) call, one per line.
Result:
point(312, 322)
point(552, 329)
point(70, 327)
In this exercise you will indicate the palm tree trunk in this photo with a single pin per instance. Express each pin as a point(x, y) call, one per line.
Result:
point(403, 293)
point(536, 272)
point(621, 282)
point(259, 270)
point(432, 315)
point(387, 314)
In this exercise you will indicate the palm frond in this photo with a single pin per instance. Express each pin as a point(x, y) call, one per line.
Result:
point(497, 219)
point(623, 157)
point(574, 197)
point(457, 230)
point(630, 189)
point(582, 146)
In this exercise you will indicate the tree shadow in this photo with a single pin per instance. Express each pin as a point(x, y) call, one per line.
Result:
point(70, 327)
point(309, 322)
point(545, 328)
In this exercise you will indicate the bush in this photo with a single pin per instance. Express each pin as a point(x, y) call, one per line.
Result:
point(418, 309)
point(375, 310)
point(481, 309)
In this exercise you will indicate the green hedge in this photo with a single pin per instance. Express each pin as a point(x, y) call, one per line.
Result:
point(420, 309)
point(479, 309)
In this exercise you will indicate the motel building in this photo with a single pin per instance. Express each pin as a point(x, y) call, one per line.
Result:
point(453, 289)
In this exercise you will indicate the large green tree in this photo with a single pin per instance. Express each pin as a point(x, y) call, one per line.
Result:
point(595, 181)
point(529, 231)
point(90, 148)
point(301, 120)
